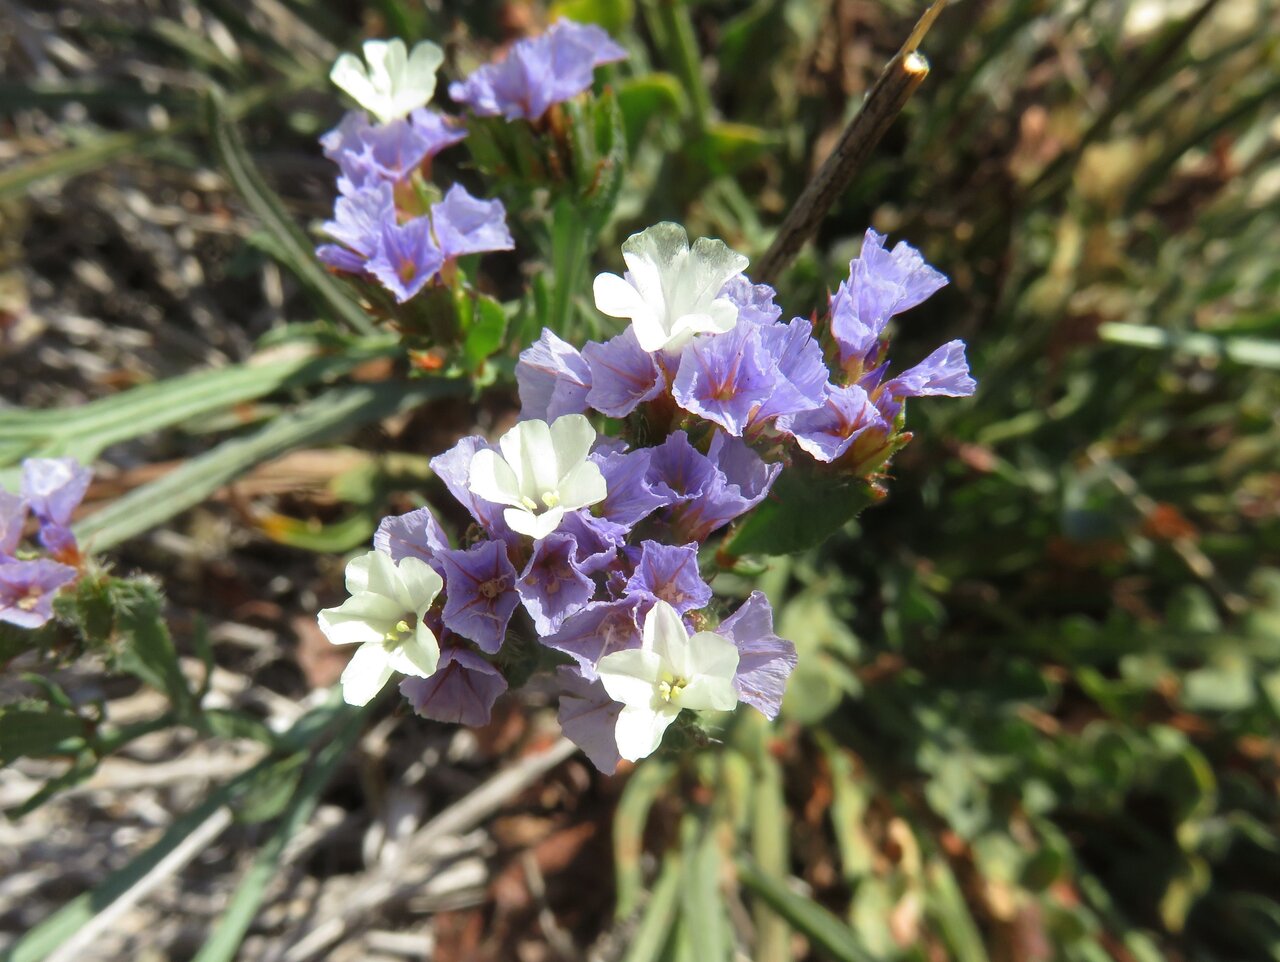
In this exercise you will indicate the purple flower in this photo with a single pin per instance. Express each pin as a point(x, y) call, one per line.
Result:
point(881, 285)
point(765, 661)
point(368, 153)
point(632, 495)
point(359, 217)
point(553, 377)
point(755, 302)
point(467, 225)
point(596, 540)
point(479, 585)
point(670, 573)
point(538, 72)
point(27, 589)
point(736, 480)
point(551, 586)
point(623, 375)
point(725, 377)
point(417, 534)
point(596, 630)
point(944, 372)
point(454, 469)
point(407, 257)
point(827, 432)
point(13, 517)
point(462, 690)
point(677, 466)
point(588, 717)
point(800, 373)
point(54, 487)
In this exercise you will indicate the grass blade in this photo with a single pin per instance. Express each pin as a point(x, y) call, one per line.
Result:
point(1243, 350)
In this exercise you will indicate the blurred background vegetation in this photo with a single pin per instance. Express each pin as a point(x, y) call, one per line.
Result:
point(1036, 711)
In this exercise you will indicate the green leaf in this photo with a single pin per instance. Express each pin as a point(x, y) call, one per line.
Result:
point(333, 414)
point(701, 900)
point(299, 254)
point(270, 790)
point(485, 328)
point(644, 99)
point(654, 930)
point(146, 649)
point(786, 522)
point(613, 15)
point(727, 148)
point(1242, 350)
point(38, 730)
point(629, 821)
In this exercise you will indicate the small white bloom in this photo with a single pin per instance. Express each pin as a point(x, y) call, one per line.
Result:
point(670, 671)
point(395, 80)
point(671, 292)
point(542, 473)
point(385, 617)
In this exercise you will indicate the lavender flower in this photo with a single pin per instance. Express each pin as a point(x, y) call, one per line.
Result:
point(538, 72)
point(623, 375)
point(828, 432)
point(27, 589)
point(551, 586)
point(554, 379)
point(369, 153)
point(596, 630)
point(479, 600)
point(53, 488)
point(454, 469)
point(462, 690)
point(467, 225)
point(799, 372)
point(417, 534)
point(13, 517)
point(725, 377)
point(765, 661)
point(589, 717)
point(756, 303)
point(944, 372)
point(407, 257)
point(632, 495)
point(670, 573)
point(711, 489)
point(359, 217)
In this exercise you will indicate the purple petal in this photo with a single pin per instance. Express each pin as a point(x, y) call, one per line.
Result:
point(670, 573)
point(407, 257)
point(765, 661)
point(623, 375)
point(725, 377)
point(467, 225)
point(740, 480)
point(677, 466)
point(13, 517)
point(454, 469)
point(589, 717)
point(27, 589)
point(755, 302)
point(944, 372)
point(631, 494)
point(480, 583)
point(599, 629)
point(357, 226)
point(596, 540)
point(462, 690)
point(827, 433)
point(553, 378)
point(551, 586)
point(801, 373)
point(54, 487)
point(417, 534)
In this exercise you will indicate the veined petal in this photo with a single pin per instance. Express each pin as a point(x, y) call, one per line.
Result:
point(616, 298)
point(491, 478)
point(357, 573)
point(366, 674)
point(640, 730)
point(382, 577)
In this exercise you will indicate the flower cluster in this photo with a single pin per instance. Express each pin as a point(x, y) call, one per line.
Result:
point(51, 490)
point(594, 542)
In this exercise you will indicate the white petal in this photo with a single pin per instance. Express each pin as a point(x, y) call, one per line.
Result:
point(639, 730)
point(686, 326)
point(527, 447)
point(713, 263)
point(378, 55)
point(631, 676)
point(491, 478)
point(382, 577)
point(535, 526)
point(664, 243)
point(425, 59)
point(571, 438)
point(712, 654)
point(357, 574)
point(418, 655)
point(365, 675)
point(616, 298)
point(582, 486)
point(361, 618)
point(706, 692)
point(418, 584)
point(666, 634)
point(350, 74)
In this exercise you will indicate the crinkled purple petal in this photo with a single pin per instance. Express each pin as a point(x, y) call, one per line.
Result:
point(670, 573)
point(725, 377)
point(677, 466)
point(801, 372)
point(27, 589)
point(13, 517)
point(454, 469)
point(596, 540)
point(881, 285)
point(480, 592)
point(368, 153)
point(468, 225)
point(739, 481)
point(826, 433)
point(553, 378)
point(407, 257)
point(416, 534)
point(462, 690)
point(765, 661)
point(599, 629)
point(631, 494)
point(944, 372)
point(623, 375)
point(589, 718)
point(54, 487)
point(551, 586)
point(755, 302)
point(357, 226)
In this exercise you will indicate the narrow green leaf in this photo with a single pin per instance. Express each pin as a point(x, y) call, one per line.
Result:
point(769, 842)
point(629, 821)
point(324, 417)
point(1243, 350)
point(299, 255)
point(35, 730)
point(652, 933)
point(701, 901)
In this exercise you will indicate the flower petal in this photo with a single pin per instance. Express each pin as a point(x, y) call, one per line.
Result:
point(366, 674)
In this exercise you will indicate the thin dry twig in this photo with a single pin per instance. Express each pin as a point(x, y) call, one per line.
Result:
point(883, 102)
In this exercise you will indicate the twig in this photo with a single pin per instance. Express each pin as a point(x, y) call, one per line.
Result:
point(884, 101)
point(400, 877)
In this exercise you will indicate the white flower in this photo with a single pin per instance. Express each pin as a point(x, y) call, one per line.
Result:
point(670, 671)
point(542, 472)
point(395, 81)
point(671, 292)
point(384, 616)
